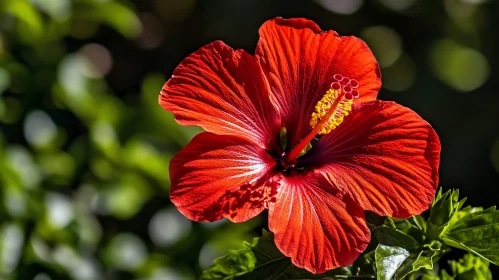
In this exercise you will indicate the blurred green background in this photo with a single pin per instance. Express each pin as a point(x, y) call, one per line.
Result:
point(84, 146)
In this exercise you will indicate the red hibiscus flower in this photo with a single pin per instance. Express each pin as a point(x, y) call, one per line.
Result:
point(296, 129)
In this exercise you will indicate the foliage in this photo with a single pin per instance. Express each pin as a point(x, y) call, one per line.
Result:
point(84, 169)
point(261, 260)
point(406, 249)
point(469, 267)
point(476, 232)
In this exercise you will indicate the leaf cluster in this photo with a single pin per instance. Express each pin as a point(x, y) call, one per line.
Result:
point(402, 248)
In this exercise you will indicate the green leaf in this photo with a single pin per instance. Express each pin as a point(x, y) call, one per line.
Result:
point(464, 212)
point(445, 276)
point(418, 222)
point(468, 268)
point(423, 260)
point(394, 263)
point(417, 261)
point(271, 263)
point(443, 208)
point(413, 227)
point(235, 262)
point(388, 260)
point(374, 220)
point(294, 272)
point(430, 275)
point(433, 275)
point(267, 271)
point(262, 260)
point(477, 233)
point(400, 254)
point(259, 260)
point(394, 237)
point(365, 264)
point(265, 249)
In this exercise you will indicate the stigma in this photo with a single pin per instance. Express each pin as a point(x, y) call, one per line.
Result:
point(335, 105)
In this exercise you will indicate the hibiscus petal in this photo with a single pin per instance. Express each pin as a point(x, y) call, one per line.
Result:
point(218, 176)
point(384, 156)
point(316, 228)
point(299, 62)
point(224, 92)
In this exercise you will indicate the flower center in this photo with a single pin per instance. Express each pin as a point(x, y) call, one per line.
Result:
point(329, 112)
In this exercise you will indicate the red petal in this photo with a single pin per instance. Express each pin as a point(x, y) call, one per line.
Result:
point(385, 156)
point(224, 92)
point(218, 176)
point(316, 228)
point(298, 23)
point(299, 62)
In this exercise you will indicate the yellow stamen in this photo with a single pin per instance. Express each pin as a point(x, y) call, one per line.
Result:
point(329, 113)
point(341, 110)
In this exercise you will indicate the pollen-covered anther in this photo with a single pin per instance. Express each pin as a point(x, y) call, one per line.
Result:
point(335, 105)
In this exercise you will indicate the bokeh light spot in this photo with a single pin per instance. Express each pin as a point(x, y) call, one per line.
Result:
point(79, 268)
point(169, 274)
point(99, 58)
point(39, 129)
point(15, 202)
point(65, 256)
point(207, 254)
point(126, 252)
point(58, 9)
point(59, 167)
point(401, 75)
point(104, 169)
point(40, 249)
point(90, 231)
point(59, 210)
point(398, 5)
point(152, 32)
point(168, 226)
point(85, 269)
point(215, 224)
point(462, 68)
point(146, 157)
point(384, 42)
point(12, 243)
point(42, 276)
point(103, 134)
point(71, 75)
point(345, 7)
point(125, 200)
point(460, 10)
point(475, 1)
point(22, 162)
